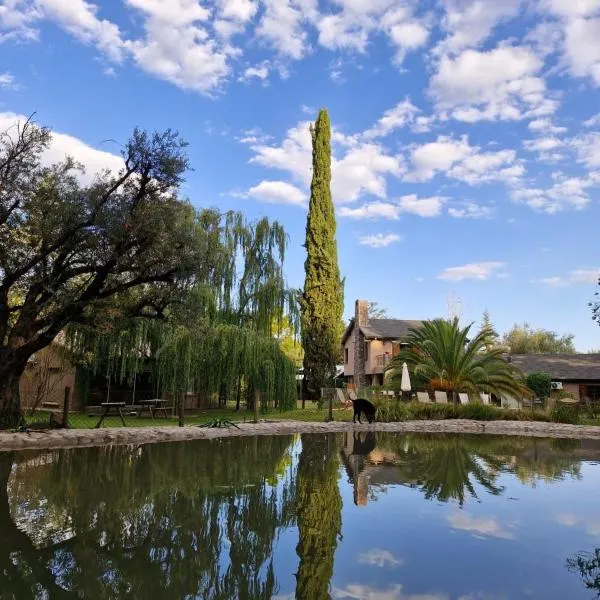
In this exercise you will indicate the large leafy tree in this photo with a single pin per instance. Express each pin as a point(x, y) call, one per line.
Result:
point(322, 301)
point(125, 247)
point(443, 355)
point(523, 339)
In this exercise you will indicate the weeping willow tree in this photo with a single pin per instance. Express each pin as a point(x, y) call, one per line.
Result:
point(217, 335)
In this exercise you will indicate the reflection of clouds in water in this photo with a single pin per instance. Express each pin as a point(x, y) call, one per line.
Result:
point(483, 596)
point(355, 591)
point(591, 526)
point(379, 558)
point(479, 526)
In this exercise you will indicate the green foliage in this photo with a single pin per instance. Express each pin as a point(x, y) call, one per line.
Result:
point(540, 384)
point(562, 395)
point(322, 299)
point(562, 413)
point(319, 510)
point(488, 328)
point(442, 355)
point(391, 412)
point(587, 566)
point(523, 339)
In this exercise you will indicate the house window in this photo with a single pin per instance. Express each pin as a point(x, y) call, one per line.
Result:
point(345, 356)
point(366, 351)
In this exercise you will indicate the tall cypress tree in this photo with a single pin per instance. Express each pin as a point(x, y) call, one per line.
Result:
point(322, 301)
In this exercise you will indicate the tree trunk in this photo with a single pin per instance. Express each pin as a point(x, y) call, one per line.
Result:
point(10, 402)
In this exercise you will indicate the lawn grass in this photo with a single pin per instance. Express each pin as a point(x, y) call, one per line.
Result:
point(311, 413)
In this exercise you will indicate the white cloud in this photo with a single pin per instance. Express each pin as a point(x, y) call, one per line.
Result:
point(281, 26)
point(362, 168)
point(543, 144)
point(79, 18)
point(577, 276)
point(278, 192)
point(377, 557)
point(352, 26)
point(238, 10)
point(16, 19)
point(440, 155)
point(356, 591)
point(593, 121)
point(585, 276)
point(551, 281)
point(582, 48)
point(459, 160)
point(259, 71)
point(571, 8)
point(7, 81)
point(479, 271)
point(588, 149)
point(372, 210)
point(470, 210)
point(423, 207)
point(397, 117)
point(64, 145)
point(379, 240)
point(479, 526)
point(566, 193)
point(177, 45)
point(470, 22)
point(545, 126)
point(500, 84)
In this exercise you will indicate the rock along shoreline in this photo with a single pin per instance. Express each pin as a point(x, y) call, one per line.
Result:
point(75, 438)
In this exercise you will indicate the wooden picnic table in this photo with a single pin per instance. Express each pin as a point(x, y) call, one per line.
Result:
point(154, 405)
point(114, 407)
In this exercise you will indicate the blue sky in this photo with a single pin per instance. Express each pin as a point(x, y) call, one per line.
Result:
point(466, 132)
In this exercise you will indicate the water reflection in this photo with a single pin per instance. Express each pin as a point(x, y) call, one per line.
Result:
point(453, 468)
point(587, 566)
point(126, 522)
point(259, 518)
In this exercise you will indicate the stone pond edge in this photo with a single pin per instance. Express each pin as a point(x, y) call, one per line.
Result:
point(74, 438)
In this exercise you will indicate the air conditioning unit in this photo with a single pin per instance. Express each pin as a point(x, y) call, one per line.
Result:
point(557, 385)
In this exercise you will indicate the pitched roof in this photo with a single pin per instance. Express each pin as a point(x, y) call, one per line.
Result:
point(385, 329)
point(560, 366)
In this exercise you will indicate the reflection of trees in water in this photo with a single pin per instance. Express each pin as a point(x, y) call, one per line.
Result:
point(447, 467)
point(319, 507)
point(189, 520)
point(587, 566)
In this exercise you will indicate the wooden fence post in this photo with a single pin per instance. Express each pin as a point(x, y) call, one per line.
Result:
point(65, 417)
point(181, 408)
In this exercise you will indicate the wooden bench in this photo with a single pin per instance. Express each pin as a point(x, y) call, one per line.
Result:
point(115, 408)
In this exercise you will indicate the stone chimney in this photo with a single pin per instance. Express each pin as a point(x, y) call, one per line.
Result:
point(361, 318)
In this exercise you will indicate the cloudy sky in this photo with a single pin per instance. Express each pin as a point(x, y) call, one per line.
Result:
point(466, 133)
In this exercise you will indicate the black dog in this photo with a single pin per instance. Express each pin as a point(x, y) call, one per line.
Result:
point(363, 406)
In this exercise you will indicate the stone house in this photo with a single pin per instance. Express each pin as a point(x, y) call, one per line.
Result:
point(578, 374)
point(369, 344)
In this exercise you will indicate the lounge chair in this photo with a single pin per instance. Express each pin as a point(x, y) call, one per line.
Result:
point(440, 397)
point(423, 397)
point(485, 398)
point(463, 398)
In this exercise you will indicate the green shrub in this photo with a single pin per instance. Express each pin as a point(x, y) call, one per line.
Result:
point(565, 414)
point(540, 384)
point(395, 411)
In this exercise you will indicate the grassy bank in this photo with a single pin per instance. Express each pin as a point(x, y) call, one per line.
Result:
point(387, 412)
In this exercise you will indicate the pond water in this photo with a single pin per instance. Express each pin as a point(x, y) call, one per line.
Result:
point(360, 516)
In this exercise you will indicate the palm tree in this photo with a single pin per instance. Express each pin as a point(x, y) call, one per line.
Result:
point(440, 355)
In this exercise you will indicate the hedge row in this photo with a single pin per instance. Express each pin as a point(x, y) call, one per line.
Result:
point(390, 412)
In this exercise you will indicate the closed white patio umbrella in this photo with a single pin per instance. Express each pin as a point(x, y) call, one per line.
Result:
point(405, 381)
